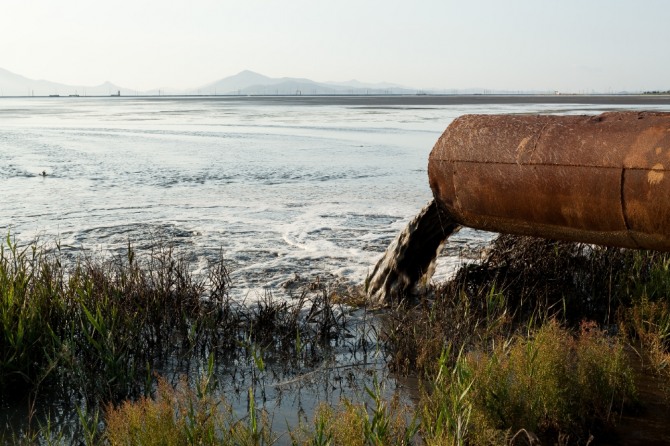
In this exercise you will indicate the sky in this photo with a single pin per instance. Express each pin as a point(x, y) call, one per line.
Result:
point(575, 46)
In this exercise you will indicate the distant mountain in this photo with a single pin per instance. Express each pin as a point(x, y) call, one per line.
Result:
point(12, 84)
point(251, 83)
point(237, 83)
point(244, 83)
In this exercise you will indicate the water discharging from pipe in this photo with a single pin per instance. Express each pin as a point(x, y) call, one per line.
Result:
point(409, 261)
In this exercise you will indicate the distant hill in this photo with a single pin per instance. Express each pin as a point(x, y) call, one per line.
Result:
point(251, 83)
point(244, 83)
point(12, 84)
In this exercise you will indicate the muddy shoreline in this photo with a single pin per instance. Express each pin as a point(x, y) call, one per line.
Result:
point(419, 100)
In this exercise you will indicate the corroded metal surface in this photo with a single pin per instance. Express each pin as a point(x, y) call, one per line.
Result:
point(598, 179)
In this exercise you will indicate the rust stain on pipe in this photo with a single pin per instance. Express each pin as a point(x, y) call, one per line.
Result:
point(597, 179)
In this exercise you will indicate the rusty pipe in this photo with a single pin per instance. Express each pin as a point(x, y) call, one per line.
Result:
point(597, 179)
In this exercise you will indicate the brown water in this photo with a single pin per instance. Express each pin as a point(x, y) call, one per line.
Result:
point(409, 261)
point(650, 424)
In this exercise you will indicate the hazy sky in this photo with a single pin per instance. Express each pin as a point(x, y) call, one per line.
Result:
point(567, 45)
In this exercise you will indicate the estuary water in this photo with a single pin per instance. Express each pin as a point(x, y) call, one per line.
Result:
point(282, 186)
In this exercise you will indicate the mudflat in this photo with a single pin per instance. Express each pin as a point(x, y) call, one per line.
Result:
point(438, 100)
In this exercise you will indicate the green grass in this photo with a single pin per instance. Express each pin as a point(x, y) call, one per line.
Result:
point(96, 324)
point(552, 385)
point(93, 331)
point(534, 343)
point(516, 325)
point(183, 415)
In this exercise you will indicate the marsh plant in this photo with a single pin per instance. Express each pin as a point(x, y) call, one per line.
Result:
point(182, 415)
point(97, 325)
point(524, 282)
point(550, 385)
point(533, 345)
point(92, 331)
point(535, 342)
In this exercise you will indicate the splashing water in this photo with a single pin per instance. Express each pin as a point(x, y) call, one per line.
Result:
point(409, 261)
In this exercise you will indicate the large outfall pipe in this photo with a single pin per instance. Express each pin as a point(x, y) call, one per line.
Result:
point(596, 179)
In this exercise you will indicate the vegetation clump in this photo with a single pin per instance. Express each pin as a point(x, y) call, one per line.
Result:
point(537, 344)
point(181, 415)
point(552, 385)
point(95, 331)
point(580, 311)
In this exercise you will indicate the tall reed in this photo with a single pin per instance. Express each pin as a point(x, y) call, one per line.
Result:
point(93, 329)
